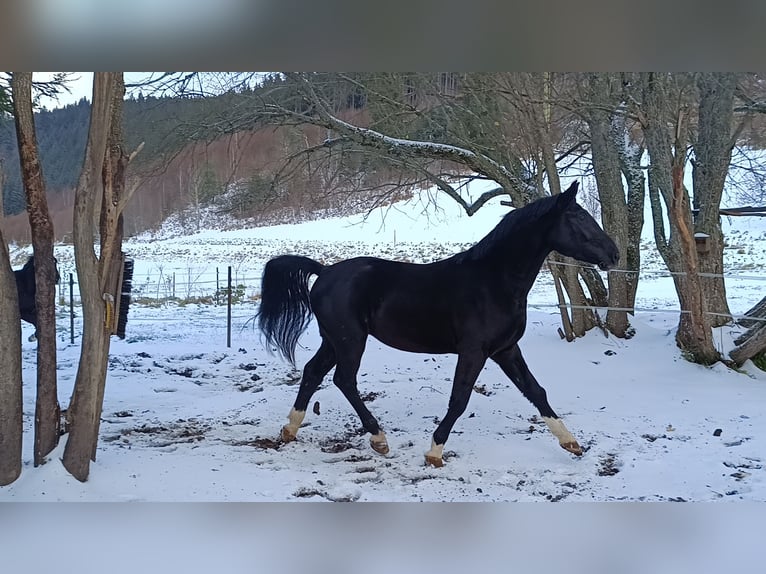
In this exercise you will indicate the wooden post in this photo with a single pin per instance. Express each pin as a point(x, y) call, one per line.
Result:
point(228, 316)
point(71, 308)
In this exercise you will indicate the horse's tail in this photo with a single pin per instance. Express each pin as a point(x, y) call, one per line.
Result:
point(285, 310)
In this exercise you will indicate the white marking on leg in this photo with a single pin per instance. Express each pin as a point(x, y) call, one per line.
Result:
point(295, 418)
point(379, 439)
point(379, 443)
point(558, 429)
point(436, 450)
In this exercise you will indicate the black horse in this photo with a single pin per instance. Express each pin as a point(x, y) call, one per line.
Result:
point(26, 288)
point(472, 304)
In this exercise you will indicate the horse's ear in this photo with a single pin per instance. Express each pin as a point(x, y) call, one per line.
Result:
point(567, 197)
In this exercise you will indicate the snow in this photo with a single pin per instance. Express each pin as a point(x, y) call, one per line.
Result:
point(187, 418)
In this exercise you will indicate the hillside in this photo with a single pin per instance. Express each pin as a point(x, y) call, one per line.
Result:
point(184, 162)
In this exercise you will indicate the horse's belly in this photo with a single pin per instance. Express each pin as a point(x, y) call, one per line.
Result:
point(415, 333)
point(415, 345)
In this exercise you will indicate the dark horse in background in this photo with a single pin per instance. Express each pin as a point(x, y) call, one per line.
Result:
point(27, 288)
point(473, 304)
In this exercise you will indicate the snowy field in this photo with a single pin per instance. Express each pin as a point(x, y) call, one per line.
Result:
point(187, 418)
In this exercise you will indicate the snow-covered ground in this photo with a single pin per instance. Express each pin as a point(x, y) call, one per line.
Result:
point(187, 418)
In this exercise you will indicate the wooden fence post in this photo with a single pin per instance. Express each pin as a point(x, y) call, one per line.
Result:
point(71, 308)
point(228, 317)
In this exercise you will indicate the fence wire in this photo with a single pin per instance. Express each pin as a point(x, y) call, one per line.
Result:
point(160, 291)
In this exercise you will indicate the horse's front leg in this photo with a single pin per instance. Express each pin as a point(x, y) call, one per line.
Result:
point(469, 365)
point(513, 365)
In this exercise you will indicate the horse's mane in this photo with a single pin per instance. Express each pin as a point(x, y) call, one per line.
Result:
point(509, 225)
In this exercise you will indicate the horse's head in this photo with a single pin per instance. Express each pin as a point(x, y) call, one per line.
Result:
point(576, 234)
point(29, 268)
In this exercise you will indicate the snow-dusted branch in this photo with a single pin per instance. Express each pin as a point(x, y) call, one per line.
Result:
point(519, 189)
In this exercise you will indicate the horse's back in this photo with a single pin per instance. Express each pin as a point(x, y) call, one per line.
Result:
point(404, 305)
point(353, 281)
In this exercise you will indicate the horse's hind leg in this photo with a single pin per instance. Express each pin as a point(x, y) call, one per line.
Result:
point(313, 373)
point(345, 379)
point(469, 365)
point(30, 316)
point(512, 363)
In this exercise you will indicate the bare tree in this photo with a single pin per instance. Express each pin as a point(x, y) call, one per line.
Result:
point(47, 412)
point(666, 107)
point(11, 429)
point(716, 138)
point(614, 154)
point(428, 128)
point(99, 203)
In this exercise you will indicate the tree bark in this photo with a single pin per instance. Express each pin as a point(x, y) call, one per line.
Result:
point(111, 222)
point(85, 409)
point(11, 429)
point(664, 105)
point(630, 152)
point(712, 156)
point(752, 341)
point(47, 412)
point(757, 311)
point(577, 319)
point(751, 346)
point(606, 167)
point(694, 333)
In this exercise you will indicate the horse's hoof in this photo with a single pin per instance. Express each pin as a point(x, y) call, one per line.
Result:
point(379, 447)
point(287, 435)
point(572, 447)
point(436, 462)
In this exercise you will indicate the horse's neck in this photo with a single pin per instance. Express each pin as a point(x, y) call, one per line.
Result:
point(522, 271)
point(517, 264)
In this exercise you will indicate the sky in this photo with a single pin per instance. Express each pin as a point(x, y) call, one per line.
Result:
point(80, 86)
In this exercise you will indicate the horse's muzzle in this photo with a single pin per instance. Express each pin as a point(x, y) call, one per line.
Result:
point(611, 262)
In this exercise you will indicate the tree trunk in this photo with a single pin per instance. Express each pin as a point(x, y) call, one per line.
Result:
point(757, 311)
point(629, 153)
point(668, 155)
point(606, 167)
point(748, 347)
point(564, 269)
point(753, 341)
point(712, 156)
point(111, 222)
point(11, 429)
point(566, 322)
point(577, 319)
point(47, 412)
point(85, 409)
point(694, 334)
